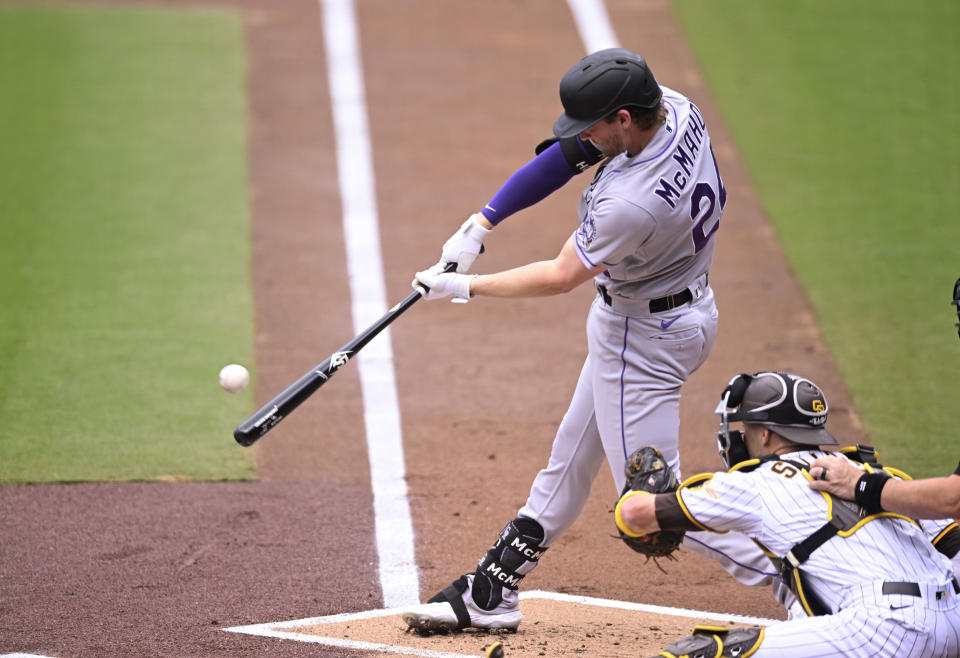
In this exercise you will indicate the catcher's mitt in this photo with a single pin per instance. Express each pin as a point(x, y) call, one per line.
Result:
point(647, 470)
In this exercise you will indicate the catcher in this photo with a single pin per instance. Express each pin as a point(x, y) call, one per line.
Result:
point(873, 584)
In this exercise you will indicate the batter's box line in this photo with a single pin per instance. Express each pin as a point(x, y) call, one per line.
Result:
point(283, 630)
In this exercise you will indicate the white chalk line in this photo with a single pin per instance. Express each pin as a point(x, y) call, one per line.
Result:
point(593, 24)
point(352, 644)
point(393, 526)
point(284, 630)
point(646, 607)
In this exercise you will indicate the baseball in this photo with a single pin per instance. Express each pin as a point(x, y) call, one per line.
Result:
point(234, 378)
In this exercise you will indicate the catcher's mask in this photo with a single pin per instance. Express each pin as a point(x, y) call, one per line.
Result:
point(793, 407)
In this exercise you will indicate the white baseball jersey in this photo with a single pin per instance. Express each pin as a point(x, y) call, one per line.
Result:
point(774, 505)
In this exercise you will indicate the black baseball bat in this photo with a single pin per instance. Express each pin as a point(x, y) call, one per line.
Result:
point(282, 405)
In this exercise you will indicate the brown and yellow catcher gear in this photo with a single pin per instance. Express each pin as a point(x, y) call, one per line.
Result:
point(716, 642)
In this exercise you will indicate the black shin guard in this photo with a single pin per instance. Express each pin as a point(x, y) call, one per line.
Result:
point(513, 556)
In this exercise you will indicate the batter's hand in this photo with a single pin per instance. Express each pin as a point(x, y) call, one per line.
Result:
point(835, 475)
point(440, 284)
point(466, 244)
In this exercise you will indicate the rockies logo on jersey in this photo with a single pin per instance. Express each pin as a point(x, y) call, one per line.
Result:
point(587, 232)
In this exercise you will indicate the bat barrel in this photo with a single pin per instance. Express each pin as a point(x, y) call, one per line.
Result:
point(261, 422)
point(253, 428)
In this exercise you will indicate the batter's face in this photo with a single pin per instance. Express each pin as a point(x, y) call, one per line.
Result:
point(608, 135)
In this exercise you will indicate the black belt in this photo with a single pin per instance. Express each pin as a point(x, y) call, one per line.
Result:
point(658, 305)
point(910, 589)
point(607, 299)
point(670, 301)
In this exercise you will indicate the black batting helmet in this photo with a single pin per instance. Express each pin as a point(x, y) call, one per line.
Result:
point(601, 83)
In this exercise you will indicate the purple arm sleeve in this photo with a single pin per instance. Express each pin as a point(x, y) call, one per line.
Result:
point(534, 181)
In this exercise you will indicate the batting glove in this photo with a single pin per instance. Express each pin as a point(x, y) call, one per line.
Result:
point(440, 284)
point(465, 245)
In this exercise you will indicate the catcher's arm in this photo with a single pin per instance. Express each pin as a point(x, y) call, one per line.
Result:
point(636, 513)
point(639, 514)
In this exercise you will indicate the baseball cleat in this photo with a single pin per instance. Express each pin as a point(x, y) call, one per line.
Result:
point(453, 609)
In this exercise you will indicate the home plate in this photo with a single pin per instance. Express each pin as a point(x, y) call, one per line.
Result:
point(554, 625)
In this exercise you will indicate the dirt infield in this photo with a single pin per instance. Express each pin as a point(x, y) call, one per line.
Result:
point(458, 94)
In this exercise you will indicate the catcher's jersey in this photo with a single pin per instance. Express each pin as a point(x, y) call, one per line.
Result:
point(774, 505)
point(650, 219)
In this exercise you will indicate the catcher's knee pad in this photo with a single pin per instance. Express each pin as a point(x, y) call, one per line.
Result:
point(512, 556)
point(716, 642)
point(742, 642)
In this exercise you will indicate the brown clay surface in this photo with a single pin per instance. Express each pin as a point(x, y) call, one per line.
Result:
point(458, 94)
point(553, 628)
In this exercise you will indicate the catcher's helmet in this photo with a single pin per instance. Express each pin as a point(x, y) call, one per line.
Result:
point(601, 83)
point(793, 407)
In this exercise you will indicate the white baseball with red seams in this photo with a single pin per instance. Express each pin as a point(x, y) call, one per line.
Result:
point(234, 378)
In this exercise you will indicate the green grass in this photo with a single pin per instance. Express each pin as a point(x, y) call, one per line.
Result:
point(124, 261)
point(848, 117)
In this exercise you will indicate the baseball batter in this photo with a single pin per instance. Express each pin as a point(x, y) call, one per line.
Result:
point(875, 585)
point(646, 236)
